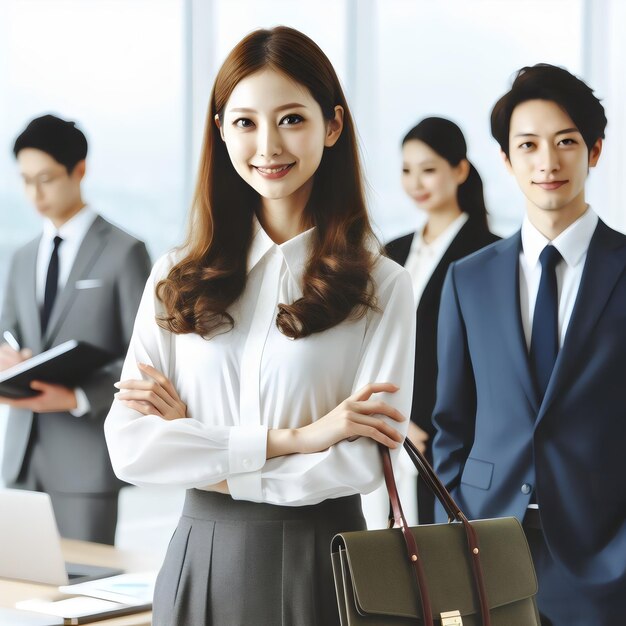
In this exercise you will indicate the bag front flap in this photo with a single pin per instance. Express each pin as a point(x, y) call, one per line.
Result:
point(384, 582)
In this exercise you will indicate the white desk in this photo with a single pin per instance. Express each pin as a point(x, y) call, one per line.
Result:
point(12, 591)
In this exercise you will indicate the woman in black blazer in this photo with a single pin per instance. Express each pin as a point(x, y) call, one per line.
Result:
point(438, 177)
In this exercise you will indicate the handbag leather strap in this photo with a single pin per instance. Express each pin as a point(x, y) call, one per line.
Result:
point(454, 513)
point(409, 540)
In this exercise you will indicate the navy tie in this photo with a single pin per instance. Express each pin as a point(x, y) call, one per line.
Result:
point(544, 342)
point(52, 283)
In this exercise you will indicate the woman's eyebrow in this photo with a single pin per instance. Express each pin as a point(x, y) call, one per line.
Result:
point(282, 107)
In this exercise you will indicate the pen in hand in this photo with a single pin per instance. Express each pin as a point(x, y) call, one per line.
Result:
point(11, 340)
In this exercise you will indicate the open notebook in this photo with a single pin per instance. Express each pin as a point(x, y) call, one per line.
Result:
point(30, 544)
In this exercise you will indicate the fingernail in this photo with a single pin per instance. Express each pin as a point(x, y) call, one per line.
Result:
point(117, 385)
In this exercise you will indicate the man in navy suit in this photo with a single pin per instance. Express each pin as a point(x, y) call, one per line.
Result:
point(531, 394)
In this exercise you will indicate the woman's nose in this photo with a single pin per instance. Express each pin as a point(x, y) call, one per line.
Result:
point(268, 142)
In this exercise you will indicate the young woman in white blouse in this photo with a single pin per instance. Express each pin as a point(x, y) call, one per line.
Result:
point(271, 354)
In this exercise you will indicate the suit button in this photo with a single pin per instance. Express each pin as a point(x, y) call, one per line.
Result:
point(526, 489)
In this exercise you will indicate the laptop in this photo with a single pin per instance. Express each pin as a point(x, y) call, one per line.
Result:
point(30, 545)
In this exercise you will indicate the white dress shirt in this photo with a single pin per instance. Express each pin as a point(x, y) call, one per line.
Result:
point(72, 232)
point(241, 383)
point(572, 243)
point(424, 257)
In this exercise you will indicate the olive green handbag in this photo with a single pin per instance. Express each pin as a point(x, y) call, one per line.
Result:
point(463, 573)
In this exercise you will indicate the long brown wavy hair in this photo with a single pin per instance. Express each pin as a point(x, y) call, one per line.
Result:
point(337, 281)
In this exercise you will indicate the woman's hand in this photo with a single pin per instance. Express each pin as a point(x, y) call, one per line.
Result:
point(155, 396)
point(418, 437)
point(357, 416)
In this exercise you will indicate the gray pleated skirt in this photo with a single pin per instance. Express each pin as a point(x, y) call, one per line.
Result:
point(238, 563)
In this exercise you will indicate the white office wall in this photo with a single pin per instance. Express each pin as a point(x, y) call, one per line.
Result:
point(604, 64)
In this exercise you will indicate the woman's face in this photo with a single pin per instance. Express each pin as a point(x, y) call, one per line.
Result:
point(428, 178)
point(275, 135)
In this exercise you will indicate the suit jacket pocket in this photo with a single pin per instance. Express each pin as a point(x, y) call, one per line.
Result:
point(477, 473)
point(88, 283)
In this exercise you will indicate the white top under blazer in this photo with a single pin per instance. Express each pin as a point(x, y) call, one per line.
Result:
point(241, 383)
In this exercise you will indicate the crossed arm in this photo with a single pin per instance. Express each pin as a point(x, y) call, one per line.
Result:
point(352, 418)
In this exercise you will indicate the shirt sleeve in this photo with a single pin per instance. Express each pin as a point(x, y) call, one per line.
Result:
point(149, 450)
point(349, 467)
point(82, 403)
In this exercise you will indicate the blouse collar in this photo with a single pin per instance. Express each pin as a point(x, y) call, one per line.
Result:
point(295, 251)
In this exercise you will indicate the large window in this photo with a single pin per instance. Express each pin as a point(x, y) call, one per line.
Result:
point(117, 68)
point(455, 59)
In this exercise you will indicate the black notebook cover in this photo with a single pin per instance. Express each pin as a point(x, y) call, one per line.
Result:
point(67, 364)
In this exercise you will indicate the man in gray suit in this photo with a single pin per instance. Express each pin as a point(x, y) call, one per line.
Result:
point(82, 279)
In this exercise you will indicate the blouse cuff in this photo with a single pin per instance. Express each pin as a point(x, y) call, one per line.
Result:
point(246, 486)
point(247, 449)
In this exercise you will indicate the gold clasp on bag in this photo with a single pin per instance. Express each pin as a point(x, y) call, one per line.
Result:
point(451, 618)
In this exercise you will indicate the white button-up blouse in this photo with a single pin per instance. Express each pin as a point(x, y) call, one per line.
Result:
point(241, 383)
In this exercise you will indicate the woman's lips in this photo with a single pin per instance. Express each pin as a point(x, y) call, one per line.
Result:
point(276, 171)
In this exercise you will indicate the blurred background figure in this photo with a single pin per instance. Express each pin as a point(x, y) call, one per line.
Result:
point(82, 279)
point(438, 177)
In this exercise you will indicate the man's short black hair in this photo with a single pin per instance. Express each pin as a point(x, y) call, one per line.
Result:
point(60, 139)
point(556, 84)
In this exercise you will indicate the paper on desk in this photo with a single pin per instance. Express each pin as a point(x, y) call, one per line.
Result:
point(133, 589)
point(80, 610)
point(19, 617)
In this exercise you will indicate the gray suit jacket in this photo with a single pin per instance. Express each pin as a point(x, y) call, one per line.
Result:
point(98, 305)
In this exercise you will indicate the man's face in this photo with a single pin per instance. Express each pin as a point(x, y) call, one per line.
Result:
point(549, 158)
point(54, 192)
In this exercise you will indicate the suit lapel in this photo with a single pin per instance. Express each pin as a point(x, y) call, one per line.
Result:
point(605, 263)
point(400, 248)
point(90, 249)
point(505, 303)
point(462, 245)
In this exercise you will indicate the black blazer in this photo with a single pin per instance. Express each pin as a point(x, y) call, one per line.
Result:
point(472, 237)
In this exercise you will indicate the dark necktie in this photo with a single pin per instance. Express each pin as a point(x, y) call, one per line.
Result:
point(52, 283)
point(544, 342)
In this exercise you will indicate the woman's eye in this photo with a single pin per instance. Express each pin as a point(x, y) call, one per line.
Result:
point(526, 145)
point(290, 120)
point(243, 122)
point(430, 170)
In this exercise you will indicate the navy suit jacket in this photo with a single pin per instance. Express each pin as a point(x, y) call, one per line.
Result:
point(495, 440)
